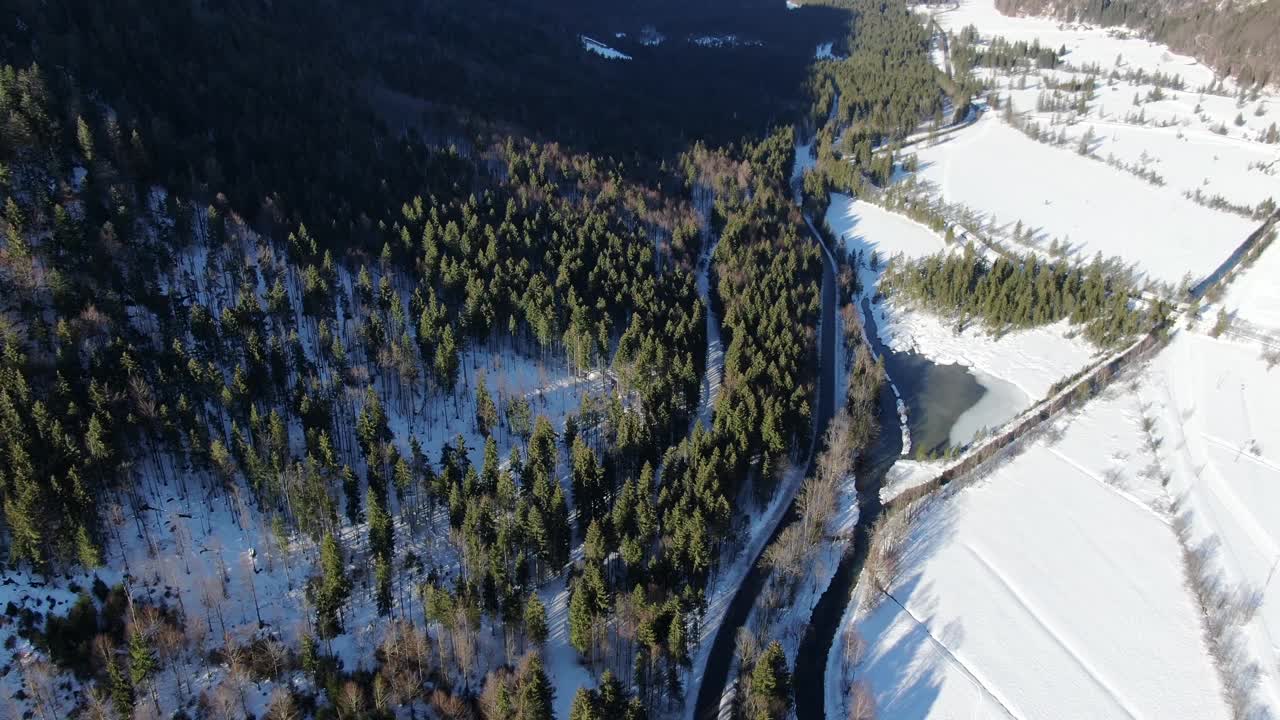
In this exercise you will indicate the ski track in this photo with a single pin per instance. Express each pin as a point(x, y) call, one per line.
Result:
point(1026, 605)
point(946, 652)
point(1122, 493)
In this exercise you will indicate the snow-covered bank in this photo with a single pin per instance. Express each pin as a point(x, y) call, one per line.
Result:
point(1030, 360)
point(1254, 296)
point(783, 615)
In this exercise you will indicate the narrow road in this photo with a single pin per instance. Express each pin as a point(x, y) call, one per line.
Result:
point(715, 677)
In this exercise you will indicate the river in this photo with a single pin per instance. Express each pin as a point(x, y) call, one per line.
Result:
point(942, 400)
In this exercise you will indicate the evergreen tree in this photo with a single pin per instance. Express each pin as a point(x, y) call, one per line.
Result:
point(536, 693)
point(770, 684)
point(333, 590)
point(585, 706)
point(382, 583)
point(122, 697)
point(535, 620)
point(351, 489)
point(381, 531)
point(85, 138)
point(486, 410)
point(142, 662)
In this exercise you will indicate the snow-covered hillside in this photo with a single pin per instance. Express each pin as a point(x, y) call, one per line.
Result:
point(188, 538)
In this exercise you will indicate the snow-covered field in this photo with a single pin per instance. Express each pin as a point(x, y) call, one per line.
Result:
point(1057, 586)
point(1085, 44)
point(1192, 140)
point(996, 170)
point(1217, 407)
point(1044, 591)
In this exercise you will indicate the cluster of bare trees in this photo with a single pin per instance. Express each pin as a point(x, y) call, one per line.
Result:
point(860, 702)
point(791, 553)
point(1226, 608)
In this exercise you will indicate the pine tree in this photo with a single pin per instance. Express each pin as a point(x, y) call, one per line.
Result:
point(85, 138)
point(24, 512)
point(381, 532)
point(122, 698)
point(87, 553)
point(334, 588)
point(446, 361)
point(486, 410)
point(351, 489)
point(588, 483)
point(310, 654)
point(142, 662)
point(593, 547)
point(536, 693)
point(535, 620)
point(382, 583)
point(585, 706)
point(771, 684)
point(677, 643)
point(582, 617)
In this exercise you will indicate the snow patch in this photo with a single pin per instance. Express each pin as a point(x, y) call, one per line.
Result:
point(601, 49)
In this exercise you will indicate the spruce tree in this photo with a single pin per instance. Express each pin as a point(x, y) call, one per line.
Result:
point(536, 693)
point(382, 584)
point(122, 697)
point(142, 662)
point(334, 588)
point(486, 410)
point(535, 620)
point(771, 684)
point(585, 706)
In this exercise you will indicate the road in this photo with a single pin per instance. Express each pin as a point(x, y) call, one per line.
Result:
point(715, 677)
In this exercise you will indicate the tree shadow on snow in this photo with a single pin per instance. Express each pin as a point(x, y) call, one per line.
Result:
point(909, 652)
